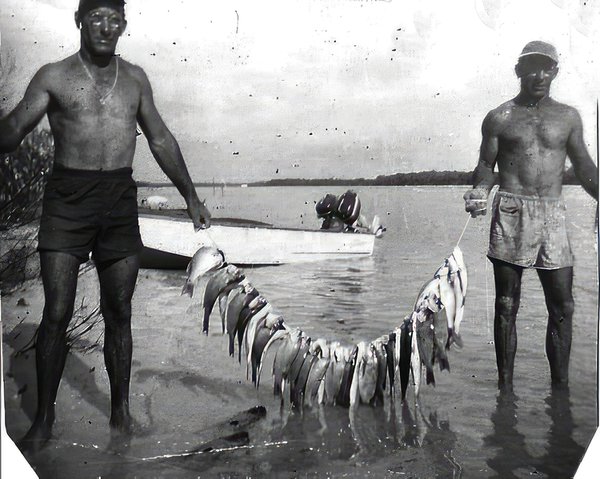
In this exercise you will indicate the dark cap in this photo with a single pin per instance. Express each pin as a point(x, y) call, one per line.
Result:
point(86, 6)
point(538, 47)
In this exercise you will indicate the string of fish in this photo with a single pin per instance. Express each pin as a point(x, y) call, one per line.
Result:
point(328, 372)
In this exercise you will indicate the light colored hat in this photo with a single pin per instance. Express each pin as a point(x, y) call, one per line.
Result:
point(538, 47)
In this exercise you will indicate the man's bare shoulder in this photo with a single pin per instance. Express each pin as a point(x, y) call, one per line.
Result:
point(565, 111)
point(497, 118)
point(56, 72)
point(134, 71)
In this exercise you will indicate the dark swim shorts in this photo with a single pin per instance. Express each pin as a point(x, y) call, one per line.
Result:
point(90, 211)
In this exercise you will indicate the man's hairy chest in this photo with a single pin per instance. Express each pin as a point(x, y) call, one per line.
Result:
point(535, 129)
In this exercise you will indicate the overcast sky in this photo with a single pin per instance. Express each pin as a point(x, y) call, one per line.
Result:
point(259, 89)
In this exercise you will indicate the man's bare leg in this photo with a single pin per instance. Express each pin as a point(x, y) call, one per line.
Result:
point(59, 277)
point(117, 283)
point(507, 278)
point(558, 286)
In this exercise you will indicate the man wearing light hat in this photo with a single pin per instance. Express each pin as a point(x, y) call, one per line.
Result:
point(94, 101)
point(528, 138)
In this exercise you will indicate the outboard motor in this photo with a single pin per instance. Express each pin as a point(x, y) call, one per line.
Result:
point(326, 206)
point(348, 207)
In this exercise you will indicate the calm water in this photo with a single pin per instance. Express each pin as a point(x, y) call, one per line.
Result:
point(460, 428)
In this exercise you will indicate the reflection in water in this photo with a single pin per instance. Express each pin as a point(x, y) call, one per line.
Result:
point(397, 437)
point(562, 452)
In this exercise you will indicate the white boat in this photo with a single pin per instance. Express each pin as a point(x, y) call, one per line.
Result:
point(170, 241)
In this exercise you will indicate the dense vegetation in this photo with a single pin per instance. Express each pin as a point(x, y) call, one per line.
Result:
point(23, 175)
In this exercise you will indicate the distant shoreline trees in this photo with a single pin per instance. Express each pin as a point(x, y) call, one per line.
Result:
point(418, 178)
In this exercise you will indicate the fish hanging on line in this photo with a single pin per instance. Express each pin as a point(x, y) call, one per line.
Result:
point(317, 371)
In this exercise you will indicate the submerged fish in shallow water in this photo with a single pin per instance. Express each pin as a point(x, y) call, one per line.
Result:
point(207, 258)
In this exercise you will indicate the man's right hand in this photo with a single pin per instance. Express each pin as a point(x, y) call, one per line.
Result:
point(198, 213)
point(476, 201)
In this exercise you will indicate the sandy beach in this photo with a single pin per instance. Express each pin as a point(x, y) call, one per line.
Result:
point(179, 377)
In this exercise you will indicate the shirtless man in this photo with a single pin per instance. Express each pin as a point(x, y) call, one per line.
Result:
point(94, 101)
point(528, 138)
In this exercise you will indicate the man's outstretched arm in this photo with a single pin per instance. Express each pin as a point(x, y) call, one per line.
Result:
point(27, 114)
point(166, 151)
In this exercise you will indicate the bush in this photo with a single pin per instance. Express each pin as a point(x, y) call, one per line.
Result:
point(23, 176)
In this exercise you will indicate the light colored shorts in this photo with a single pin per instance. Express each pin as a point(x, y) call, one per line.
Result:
point(530, 231)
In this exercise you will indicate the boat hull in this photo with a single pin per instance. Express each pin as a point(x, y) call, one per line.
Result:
point(169, 242)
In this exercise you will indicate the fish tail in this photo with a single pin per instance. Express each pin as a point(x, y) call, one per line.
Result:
point(430, 376)
point(444, 363)
point(454, 338)
point(188, 288)
point(451, 338)
point(205, 321)
point(231, 344)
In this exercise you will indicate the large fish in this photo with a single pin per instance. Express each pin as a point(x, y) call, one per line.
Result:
point(333, 375)
point(368, 373)
point(247, 313)
point(354, 387)
point(237, 301)
point(381, 354)
point(426, 343)
point(277, 336)
point(441, 340)
point(415, 359)
point(262, 337)
point(298, 390)
point(365, 374)
point(296, 364)
point(220, 280)
point(390, 349)
point(428, 299)
point(226, 296)
point(405, 355)
point(447, 296)
point(256, 321)
point(207, 258)
point(460, 298)
point(343, 397)
point(462, 268)
point(286, 353)
point(315, 383)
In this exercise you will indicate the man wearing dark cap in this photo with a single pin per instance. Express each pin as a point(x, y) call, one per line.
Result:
point(94, 101)
point(528, 138)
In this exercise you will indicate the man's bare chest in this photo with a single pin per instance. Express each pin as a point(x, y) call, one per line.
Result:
point(535, 129)
point(80, 96)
